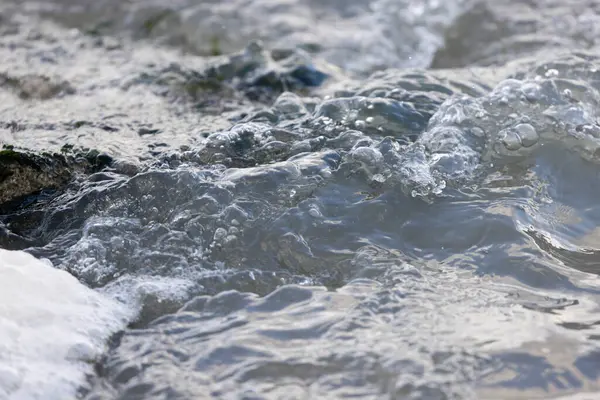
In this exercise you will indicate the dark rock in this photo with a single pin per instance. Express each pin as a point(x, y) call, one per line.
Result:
point(24, 173)
point(251, 73)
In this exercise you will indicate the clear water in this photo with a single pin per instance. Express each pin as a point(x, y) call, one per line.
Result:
point(392, 231)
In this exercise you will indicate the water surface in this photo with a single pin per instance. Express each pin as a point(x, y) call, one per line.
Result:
point(378, 199)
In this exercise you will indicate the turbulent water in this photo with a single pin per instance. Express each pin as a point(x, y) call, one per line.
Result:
point(384, 199)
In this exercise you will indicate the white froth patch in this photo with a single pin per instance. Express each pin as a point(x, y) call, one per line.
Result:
point(52, 328)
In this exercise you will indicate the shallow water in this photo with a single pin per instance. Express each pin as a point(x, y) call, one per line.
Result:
point(319, 214)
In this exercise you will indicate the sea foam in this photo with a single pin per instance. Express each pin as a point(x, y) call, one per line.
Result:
point(52, 329)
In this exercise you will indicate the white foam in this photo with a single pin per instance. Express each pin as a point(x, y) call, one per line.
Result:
point(52, 328)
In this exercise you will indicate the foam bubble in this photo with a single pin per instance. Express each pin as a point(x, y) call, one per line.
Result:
point(51, 328)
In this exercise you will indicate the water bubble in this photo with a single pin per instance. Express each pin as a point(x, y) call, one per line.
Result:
point(369, 120)
point(314, 212)
point(551, 73)
point(360, 124)
point(292, 193)
point(511, 140)
point(527, 134)
point(367, 156)
point(440, 187)
point(220, 233)
point(230, 239)
point(478, 132)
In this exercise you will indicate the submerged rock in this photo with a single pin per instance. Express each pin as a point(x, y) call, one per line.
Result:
point(254, 74)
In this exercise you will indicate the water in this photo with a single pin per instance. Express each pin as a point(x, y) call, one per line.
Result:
point(378, 199)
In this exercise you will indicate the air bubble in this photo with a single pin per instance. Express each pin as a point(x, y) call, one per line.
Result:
point(511, 140)
point(478, 132)
point(440, 187)
point(230, 239)
point(314, 212)
point(527, 134)
point(220, 233)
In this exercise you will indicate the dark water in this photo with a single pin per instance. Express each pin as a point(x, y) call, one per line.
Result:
point(320, 200)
